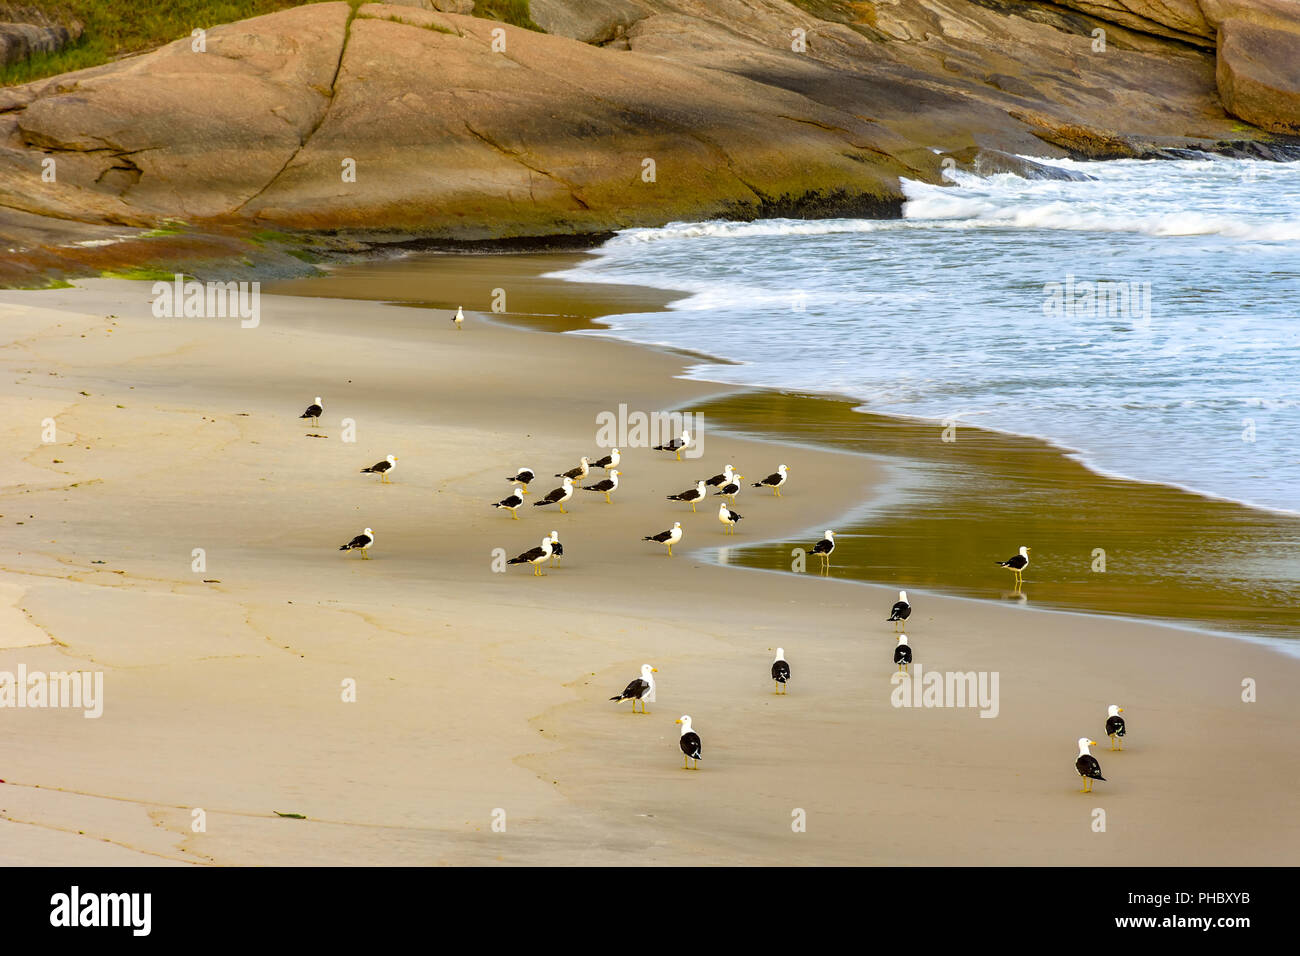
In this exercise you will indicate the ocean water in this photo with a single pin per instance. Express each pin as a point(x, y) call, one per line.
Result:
point(1147, 318)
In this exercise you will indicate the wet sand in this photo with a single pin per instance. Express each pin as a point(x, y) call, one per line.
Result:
point(483, 696)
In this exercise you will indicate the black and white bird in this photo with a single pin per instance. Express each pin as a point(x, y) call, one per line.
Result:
point(522, 477)
point(669, 537)
point(459, 318)
point(314, 411)
point(558, 496)
point(642, 689)
point(731, 488)
point(1115, 726)
point(691, 495)
point(361, 542)
point(780, 671)
point(725, 478)
point(677, 445)
point(689, 742)
point(557, 549)
point(825, 547)
point(1086, 765)
point(1017, 564)
point(384, 469)
point(903, 653)
point(774, 480)
point(535, 556)
point(728, 518)
point(606, 486)
point(901, 610)
point(576, 474)
point(609, 461)
point(511, 502)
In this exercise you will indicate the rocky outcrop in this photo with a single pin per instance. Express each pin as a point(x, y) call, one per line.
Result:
point(27, 30)
point(1259, 74)
point(399, 122)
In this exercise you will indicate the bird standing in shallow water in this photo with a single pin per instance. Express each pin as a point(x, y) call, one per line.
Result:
point(825, 547)
point(1086, 765)
point(689, 742)
point(1115, 726)
point(1017, 564)
point(780, 671)
point(459, 318)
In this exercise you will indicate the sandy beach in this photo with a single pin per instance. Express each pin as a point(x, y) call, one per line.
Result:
point(482, 696)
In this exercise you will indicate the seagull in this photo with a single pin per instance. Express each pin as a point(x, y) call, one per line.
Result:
point(1017, 564)
point(731, 488)
point(609, 461)
point(690, 495)
point(558, 496)
point(689, 742)
point(522, 477)
point(1115, 726)
point(606, 486)
point(825, 547)
point(677, 444)
point(642, 689)
point(903, 653)
point(780, 671)
point(723, 479)
point(557, 549)
point(458, 318)
point(361, 542)
point(382, 468)
point(728, 518)
point(1087, 765)
point(511, 502)
point(535, 556)
point(314, 411)
point(774, 481)
point(901, 610)
point(669, 538)
point(577, 474)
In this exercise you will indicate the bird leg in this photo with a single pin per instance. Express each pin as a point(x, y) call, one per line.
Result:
point(679, 454)
point(562, 511)
point(607, 501)
point(684, 760)
point(365, 556)
point(670, 551)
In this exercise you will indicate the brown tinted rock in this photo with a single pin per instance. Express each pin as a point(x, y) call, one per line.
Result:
point(1259, 74)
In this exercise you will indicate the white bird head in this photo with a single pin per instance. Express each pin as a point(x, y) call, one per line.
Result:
point(685, 721)
point(392, 459)
point(677, 525)
point(722, 508)
point(1024, 552)
point(902, 638)
point(568, 483)
point(782, 469)
point(555, 536)
point(585, 461)
point(519, 490)
point(686, 437)
point(1084, 744)
point(830, 534)
point(546, 542)
point(728, 471)
point(699, 486)
point(902, 596)
point(1114, 710)
point(614, 454)
point(521, 469)
point(369, 532)
point(615, 474)
point(647, 670)
point(317, 402)
point(780, 654)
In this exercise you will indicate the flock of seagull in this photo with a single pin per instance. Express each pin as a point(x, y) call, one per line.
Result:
point(728, 484)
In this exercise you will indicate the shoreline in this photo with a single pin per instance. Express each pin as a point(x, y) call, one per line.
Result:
point(594, 303)
point(480, 690)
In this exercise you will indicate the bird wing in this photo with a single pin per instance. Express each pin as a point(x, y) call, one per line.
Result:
point(690, 744)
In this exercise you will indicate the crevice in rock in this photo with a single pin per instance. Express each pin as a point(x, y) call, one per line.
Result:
point(518, 158)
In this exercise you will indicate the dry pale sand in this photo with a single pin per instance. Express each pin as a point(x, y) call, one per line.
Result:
point(479, 691)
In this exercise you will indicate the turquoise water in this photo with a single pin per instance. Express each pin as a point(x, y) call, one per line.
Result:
point(1148, 317)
